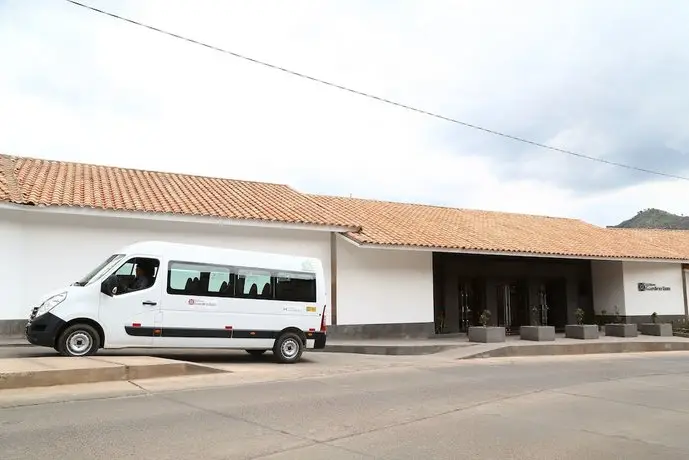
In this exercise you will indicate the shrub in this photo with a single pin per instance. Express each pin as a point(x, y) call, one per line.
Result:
point(484, 319)
point(579, 314)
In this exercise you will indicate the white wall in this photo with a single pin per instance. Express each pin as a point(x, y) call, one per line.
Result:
point(12, 273)
point(686, 288)
point(608, 286)
point(668, 302)
point(42, 251)
point(378, 286)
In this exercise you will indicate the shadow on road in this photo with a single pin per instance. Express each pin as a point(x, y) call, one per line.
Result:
point(196, 356)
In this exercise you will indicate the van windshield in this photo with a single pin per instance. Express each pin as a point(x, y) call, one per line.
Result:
point(99, 270)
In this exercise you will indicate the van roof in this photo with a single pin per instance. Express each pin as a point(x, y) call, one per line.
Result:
point(223, 256)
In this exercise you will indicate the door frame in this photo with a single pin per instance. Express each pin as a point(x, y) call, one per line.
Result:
point(145, 330)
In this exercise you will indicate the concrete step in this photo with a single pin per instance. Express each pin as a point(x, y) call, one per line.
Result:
point(400, 347)
point(50, 371)
point(399, 350)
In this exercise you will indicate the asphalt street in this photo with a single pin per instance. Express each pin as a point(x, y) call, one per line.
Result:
point(28, 351)
point(587, 407)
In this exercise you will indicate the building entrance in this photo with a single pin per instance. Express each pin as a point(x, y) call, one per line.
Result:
point(517, 291)
point(470, 303)
point(512, 305)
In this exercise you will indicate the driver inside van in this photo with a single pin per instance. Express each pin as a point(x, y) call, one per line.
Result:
point(143, 278)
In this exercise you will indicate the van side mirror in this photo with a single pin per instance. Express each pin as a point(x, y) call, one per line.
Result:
point(109, 286)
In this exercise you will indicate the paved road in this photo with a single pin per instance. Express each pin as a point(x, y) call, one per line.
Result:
point(593, 407)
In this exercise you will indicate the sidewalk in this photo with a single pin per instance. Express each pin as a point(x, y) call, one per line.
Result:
point(407, 347)
point(14, 341)
point(18, 373)
point(513, 346)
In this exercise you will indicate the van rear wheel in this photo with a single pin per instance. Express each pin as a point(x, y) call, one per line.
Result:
point(78, 340)
point(288, 348)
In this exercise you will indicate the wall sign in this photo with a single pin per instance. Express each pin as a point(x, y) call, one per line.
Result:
point(642, 287)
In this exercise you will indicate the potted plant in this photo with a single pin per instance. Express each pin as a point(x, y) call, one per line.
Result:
point(580, 330)
point(485, 333)
point(680, 327)
point(619, 328)
point(537, 331)
point(656, 328)
point(600, 320)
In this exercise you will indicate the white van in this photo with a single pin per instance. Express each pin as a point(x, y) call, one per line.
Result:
point(204, 297)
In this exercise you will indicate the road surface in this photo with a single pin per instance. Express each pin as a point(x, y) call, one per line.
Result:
point(586, 407)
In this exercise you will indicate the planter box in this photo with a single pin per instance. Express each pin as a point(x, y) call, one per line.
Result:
point(621, 330)
point(537, 333)
point(581, 331)
point(486, 334)
point(659, 329)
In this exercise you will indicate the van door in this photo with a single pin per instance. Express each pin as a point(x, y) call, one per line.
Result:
point(197, 310)
point(129, 316)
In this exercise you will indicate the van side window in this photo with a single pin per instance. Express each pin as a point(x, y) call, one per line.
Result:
point(136, 274)
point(194, 279)
point(295, 287)
point(256, 284)
point(186, 278)
point(127, 269)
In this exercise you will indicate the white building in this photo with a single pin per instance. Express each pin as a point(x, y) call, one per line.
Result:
point(394, 269)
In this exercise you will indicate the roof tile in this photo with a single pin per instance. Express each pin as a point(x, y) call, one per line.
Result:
point(404, 224)
point(58, 183)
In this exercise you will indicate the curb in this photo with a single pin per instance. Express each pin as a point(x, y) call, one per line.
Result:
point(105, 371)
point(14, 343)
point(512, 351)
point(395, 350)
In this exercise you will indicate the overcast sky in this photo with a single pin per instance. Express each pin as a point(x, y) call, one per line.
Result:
point(605, 78)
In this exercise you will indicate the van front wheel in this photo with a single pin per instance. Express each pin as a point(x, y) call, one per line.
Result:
point(288, 348)
point(78, 340)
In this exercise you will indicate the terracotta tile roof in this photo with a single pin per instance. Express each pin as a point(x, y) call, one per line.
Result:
point(4, 189)
point(58, 183)
point(8, 184)
point(402, 224)
point(675, 241)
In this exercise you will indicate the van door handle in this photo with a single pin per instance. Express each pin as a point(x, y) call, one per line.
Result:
point(150, 302)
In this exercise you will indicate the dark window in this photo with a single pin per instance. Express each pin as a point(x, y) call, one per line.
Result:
point(295, 287)
point(187, 278)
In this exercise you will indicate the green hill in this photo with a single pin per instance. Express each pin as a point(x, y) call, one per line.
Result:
point(656, 218)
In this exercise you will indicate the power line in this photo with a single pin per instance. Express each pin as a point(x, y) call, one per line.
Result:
point(378, 98)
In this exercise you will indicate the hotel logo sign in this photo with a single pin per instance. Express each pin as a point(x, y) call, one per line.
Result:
point(643, 287)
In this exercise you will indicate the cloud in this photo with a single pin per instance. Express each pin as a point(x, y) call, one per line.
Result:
point(605, 80)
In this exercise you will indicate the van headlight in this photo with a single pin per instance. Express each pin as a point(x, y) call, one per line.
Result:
point(51, 303)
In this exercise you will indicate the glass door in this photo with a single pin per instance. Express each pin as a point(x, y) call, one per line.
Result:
point(465, 300)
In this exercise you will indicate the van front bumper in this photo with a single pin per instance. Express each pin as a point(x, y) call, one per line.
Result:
point(42, 331)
